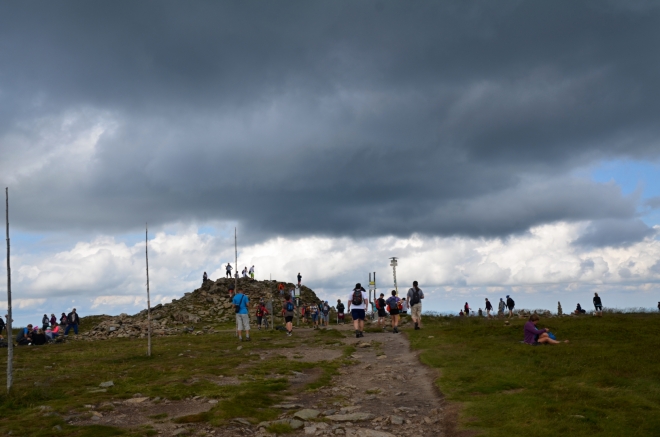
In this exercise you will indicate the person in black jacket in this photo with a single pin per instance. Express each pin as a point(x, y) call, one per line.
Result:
point(2, 325)
point(489, 308)
point(340, 311)
point(510, 304)
point(598, 305)
point(72, 321)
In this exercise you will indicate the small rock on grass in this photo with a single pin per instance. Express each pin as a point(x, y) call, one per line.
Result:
point(107, 384)
point(296, 424)
point(352, 417)
point(307, 414)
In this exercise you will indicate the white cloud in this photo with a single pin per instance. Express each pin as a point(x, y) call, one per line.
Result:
point(106, 275)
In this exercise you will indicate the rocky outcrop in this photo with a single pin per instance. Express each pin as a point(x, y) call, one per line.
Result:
point(209, 304)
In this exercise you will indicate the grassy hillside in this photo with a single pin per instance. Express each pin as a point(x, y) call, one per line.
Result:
point(605, 382)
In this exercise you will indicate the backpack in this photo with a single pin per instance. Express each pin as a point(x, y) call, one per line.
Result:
point(289, 306)
point(340, 308)
point(326, 310)
point(260, 312)
point(378, 304)
point(357, 297)
point(414, 300)
point(392, 303)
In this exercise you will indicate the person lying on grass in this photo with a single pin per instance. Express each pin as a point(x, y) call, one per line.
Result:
point(535, 336)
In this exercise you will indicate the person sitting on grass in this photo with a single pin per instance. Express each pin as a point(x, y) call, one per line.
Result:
point(24, 336)
point(579, 310)
point(535, 336)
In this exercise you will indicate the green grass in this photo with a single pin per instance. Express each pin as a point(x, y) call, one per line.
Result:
point(63, 376)
point(605, 382)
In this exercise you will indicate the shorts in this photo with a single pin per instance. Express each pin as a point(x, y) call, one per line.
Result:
point(242, 322)
point(382, 313)
point(315, 316)
point(599, 307)
point(325, 317)
point(357, 314)
point(340, 316)
point(259, 318)
point(416, 311)
point(394, 312)
point(288, 319)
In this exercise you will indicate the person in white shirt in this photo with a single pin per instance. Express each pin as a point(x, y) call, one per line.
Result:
point(358, 302)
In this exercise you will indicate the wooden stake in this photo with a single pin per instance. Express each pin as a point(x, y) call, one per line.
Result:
point(146, 251)
point(10, 334)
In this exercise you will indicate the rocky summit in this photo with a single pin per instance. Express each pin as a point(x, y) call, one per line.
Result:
point(209, 304)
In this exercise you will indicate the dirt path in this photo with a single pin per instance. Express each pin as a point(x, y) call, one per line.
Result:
point(386, 392)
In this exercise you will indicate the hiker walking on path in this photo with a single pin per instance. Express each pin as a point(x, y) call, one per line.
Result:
point(241, 303)
point(415, 296)
point(394, 305)
point(466, 308)
point(500, 308)
point(325, 313)
point(489, 308)
point(358, 302)
point(340, 311)
point(228, 268)
point(252, 272)
point(598, 305)
point(382, 314)
point(315, 315)
point(510, 304)
point(535, 336)
point(260, 313)
point(72, 321)
point(299, 278)
point(289, 309)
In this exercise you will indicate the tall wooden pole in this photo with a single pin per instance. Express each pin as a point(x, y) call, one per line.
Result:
point(236, 272)
point(146, 251)
point(10, 334)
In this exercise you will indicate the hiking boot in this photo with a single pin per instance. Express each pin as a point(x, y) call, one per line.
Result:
point(248, 338)
point(417, 328)
point(357, 334)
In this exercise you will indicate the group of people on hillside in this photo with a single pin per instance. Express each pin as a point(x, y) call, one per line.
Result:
point(49, 330)
point(510, 304)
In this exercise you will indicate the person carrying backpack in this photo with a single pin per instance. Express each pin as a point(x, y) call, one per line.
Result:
point(382, 314)
point(252, 272)
point(415, 296)
point(510, 304)
point(228, 268)
point(260, 314)
point(489, 308)
point(358, 302)
point(315, 315)
point(45, 322)
point(289, 309)
point(394, 305)
point(340, 312)
point(325, 312)
point(466, 308)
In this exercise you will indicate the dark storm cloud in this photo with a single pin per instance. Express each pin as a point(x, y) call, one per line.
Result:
point(336, 118)
point(611, 232)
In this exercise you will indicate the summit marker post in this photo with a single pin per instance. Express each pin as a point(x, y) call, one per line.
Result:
point(10, 335)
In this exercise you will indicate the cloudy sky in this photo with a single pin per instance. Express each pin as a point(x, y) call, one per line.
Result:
point(495, 147)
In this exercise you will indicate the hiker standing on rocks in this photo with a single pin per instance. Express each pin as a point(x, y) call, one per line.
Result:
point(415, 296)
point(228, 268)
point(53, 320)
point(288, 307)
point(358, 302)
point(510, 304)
point(382, 314)
point(252, 272)
point(394, 305)
point(63, 319)
point(299, 278)
point(280, 287)
point(205, 278)
point(340, 311)
point(244, 272)
point(241, 303)
point(598, 304)
point(489, 308)
point(72, 321)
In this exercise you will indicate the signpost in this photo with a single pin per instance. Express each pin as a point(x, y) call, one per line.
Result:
point(394, 262)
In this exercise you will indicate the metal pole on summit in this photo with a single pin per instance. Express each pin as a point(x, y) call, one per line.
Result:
point(10, 335)
point(236, 273)
point(146, 252)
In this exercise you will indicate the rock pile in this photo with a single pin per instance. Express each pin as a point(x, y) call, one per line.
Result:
point(209, 304)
